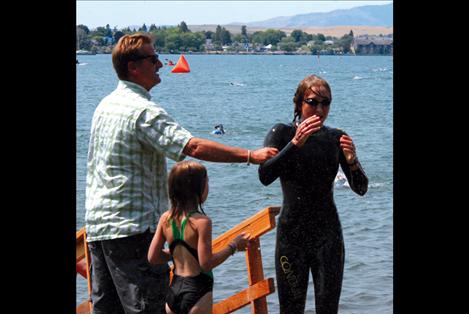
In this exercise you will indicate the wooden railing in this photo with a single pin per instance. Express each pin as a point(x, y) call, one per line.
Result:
point(83, 268)
point(258, 287)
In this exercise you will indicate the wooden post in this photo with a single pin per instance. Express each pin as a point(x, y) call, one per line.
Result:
point(255, 274)
point(88, 274)
point(83, 268)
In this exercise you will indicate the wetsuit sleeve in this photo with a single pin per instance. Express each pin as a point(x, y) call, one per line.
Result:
point(357, 178)
point(270, 170)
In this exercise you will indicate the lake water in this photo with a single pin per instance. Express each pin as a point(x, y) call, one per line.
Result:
point(249, 94)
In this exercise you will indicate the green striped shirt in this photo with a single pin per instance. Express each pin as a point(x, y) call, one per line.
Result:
point(126, 182)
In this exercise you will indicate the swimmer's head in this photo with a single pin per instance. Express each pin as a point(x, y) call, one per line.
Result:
point(315, 83)
point(187, 187)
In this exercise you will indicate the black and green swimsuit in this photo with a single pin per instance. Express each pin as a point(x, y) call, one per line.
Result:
point(185, 292)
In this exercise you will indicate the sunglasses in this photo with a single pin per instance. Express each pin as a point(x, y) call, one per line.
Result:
point(314, 102)
point(154, 58)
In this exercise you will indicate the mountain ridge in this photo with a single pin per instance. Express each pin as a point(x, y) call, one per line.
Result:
point(368, 15)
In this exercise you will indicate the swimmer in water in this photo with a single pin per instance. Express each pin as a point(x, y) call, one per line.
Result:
point(309, 233)
point(218, 129)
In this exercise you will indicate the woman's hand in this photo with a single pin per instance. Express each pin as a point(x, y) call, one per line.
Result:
point(241, 241)
point(348, 148)
point(305, 129)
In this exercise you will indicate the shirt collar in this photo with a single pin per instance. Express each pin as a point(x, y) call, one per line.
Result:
point(134, 87)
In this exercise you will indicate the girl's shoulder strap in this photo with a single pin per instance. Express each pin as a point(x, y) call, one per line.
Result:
point(175, 229)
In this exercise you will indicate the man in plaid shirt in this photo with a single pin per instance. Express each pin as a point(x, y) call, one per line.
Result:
point(126, 191)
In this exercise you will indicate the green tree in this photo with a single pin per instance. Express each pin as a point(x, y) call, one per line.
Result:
point(118, 35)
point(143, 28)
point(209, 34)
point(244, 31)
point(345, 42)
point(238, 38)
point(152, 27)
point(84, 28)
point(160, 39)
point(297, 35)
point(288, 44)
point(108, 32)
point(173, 42)
point(83, 41)
point(183, 27)
point(226, 37)
point(221, 36)
point(321, 37)
point(217, 38)
point(270, 36)
point(191, 41)
point(100, 31)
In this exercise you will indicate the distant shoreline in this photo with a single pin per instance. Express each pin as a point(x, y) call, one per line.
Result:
point(254, 53)
point(334, 31)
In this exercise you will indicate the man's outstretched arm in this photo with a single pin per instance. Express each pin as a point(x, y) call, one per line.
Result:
point(212, 151)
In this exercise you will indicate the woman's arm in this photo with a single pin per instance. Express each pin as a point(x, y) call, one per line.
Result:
point(156, 253)
point(270, 170)
point(351, 166)
point(207, 260)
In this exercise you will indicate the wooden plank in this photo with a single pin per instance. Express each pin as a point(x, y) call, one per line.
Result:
point(244, 297)
point(255, 274)
point(256, 225)
point(88, 274)
point(83, 267)
point(80, 252)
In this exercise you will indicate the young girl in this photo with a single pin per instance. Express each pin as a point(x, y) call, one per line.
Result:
point(188, 232)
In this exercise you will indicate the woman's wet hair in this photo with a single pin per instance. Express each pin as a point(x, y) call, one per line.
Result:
point(306, 84)
point(127, 47)
point(186, 185)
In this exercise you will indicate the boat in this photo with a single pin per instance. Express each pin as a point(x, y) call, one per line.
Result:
point(85, 52)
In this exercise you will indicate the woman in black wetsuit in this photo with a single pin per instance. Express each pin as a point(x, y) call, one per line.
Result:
point(309, 234)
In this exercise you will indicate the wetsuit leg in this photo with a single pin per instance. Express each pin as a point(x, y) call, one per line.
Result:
point(327, 269)
point(292, 274)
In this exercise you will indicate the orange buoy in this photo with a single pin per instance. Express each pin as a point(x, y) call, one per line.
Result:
point(181, 66)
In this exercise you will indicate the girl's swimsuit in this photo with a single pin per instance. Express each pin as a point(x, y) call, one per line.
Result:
point(309, 234)
point(185, 292)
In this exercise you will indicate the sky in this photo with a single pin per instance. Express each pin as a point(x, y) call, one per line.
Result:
point(121, 14)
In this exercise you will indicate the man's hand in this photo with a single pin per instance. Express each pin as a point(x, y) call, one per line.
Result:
point(259, 156)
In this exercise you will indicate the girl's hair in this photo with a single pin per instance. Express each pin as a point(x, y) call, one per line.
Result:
point(186, 184)
point(127, 47)
point(305, 84)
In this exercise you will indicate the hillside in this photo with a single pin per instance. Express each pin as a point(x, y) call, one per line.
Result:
point(369, 15)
